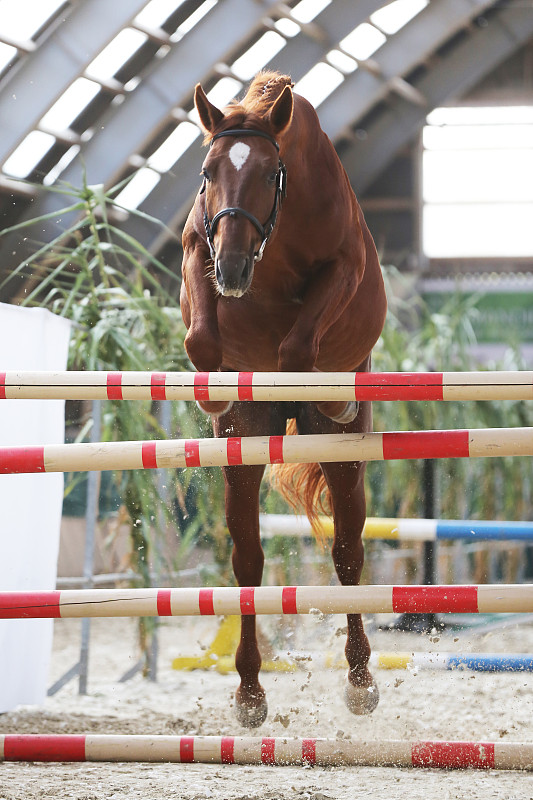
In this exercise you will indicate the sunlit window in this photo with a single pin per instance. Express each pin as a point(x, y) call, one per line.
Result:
point(363, 41)
point(7, 54)
point(28, 154)
point(115, 55)
point(156, 12)
point(20, 26)
point(71, 103)
point(194, 19)
point(392, 17)
point(478, 182)
point(287, 27)
point(341, 61)
point(307, 10)
point(174, 146)
point(138, 189)
point(52, 176)
point(319, 83)
point(268, 46)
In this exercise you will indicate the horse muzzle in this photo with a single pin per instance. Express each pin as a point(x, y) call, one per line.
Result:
point(234, 274)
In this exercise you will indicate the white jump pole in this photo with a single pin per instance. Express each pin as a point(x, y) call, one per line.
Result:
point(316, 386)
point(486, 598)
point(272, 751)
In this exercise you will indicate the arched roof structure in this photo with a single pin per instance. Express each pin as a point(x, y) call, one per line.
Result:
point(106, 88)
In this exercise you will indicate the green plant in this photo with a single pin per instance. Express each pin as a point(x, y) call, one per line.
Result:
point(124, 308)
point(418, 339)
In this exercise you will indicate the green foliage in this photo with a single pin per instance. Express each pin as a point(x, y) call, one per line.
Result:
point(417, 339)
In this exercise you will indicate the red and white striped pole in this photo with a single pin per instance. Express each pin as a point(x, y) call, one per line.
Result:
point(315, 386)
point(237, 450)
point(249, 600)
point(266, 750)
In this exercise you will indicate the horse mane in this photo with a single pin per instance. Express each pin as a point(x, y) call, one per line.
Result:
point(264, 90)
point(250, 112)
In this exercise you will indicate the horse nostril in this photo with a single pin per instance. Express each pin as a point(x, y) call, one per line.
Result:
point(233, 274)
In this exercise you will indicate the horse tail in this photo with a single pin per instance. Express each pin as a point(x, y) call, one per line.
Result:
point(304, 487)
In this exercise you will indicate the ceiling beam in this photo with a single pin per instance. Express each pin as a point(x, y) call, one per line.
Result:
point(453, 73)
point(170, 81)
point(399, 55)
point(124, 129)
point(335, 22)
point(42, 76)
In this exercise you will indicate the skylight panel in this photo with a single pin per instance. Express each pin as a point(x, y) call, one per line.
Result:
point(28, 154)
point(138, 189)
point(173, 148)
point(224, 91)
point(71, 103)
point(287, 27)
point(319, 83)
point(259, 54)
point(115, 55)
point(7, 54)
point(392, 17)
point(61, 165)
point(363, 41)
point(155, 13)
point(21, 20)
point(307, 10)
point(194, 19)
point(341, 61)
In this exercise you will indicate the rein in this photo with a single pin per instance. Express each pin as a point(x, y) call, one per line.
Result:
point(265, 231)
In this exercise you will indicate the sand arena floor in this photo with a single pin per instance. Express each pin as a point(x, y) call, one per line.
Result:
point(414, 705)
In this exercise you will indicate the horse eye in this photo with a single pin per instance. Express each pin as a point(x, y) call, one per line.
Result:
point(205, 174)
point(272, 177)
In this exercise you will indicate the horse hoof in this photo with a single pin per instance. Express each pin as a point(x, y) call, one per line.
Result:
point(349, 414)
point(211, 413)
point(361, 700)
point(251, 716)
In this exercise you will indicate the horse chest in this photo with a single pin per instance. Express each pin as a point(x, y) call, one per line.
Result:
point(251, 333)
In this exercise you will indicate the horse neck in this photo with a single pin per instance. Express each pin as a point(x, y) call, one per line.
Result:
point(303, 142)
point(315, 176)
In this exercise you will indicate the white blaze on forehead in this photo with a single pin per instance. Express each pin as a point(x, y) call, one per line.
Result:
point(238, 154)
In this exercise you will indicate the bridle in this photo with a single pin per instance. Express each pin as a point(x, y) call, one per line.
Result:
point(265, 231)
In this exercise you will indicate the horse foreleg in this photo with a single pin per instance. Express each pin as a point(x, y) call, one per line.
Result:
point(346, 484)
point(198, 301)
point(242, 516)
point(242, 485)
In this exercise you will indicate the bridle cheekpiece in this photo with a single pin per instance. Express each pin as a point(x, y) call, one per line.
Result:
point(265, 231)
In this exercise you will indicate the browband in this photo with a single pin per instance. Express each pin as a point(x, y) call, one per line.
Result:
point(245, 132)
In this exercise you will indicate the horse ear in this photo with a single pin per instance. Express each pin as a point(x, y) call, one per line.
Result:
point(210, 115)
point(280, 114)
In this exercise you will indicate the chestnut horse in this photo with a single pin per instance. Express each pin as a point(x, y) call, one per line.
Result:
point(274, 191)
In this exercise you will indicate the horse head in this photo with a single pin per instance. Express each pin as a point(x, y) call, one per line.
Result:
point(243, 185)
